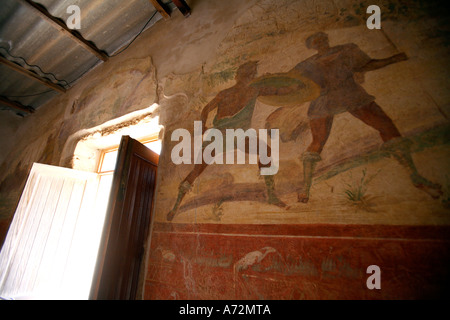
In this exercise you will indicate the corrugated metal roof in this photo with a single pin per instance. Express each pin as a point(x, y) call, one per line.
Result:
point(25, 36)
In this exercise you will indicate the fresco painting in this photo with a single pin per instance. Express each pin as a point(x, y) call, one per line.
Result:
point(327, 84)
point(235, 107)
point(363, 120)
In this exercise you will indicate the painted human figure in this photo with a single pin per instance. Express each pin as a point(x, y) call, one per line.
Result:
point(235, 107)
point(334, 69)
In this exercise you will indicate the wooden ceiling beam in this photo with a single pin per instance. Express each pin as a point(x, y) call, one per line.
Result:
point(31, 74)
point(15, 105)
point(61, 26)
point(183, 7)
point(161, 8)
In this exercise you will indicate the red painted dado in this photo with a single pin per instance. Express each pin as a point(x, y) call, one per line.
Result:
point(215, 261)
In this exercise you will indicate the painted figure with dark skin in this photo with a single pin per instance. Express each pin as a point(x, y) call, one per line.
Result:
point(235, 107)
point(334, 69)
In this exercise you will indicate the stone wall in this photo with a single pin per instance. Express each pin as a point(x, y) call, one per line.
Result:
point(378, 195)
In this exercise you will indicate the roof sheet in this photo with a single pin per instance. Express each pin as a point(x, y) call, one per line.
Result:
point(25, 36)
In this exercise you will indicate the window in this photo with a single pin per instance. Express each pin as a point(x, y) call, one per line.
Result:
point(108, 156)
point(52, 245)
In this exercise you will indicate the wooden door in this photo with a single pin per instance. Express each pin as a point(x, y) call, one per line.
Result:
point(127, 223)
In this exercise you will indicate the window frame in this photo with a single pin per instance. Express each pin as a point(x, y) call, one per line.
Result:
point(144, 140)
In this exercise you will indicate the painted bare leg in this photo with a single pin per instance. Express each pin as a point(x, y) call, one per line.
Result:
point(397, 146)
point(271, 195)
point(272, 198)
point(400, 150)
point(320, 130)
point(184, 187)
point(310, 160)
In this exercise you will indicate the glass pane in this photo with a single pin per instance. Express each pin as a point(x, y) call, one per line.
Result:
point(155, 146)
point(109, 161)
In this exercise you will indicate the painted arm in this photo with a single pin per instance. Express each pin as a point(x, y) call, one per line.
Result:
point(380, 63)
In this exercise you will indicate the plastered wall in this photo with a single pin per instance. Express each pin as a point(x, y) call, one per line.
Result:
point(363, 176)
